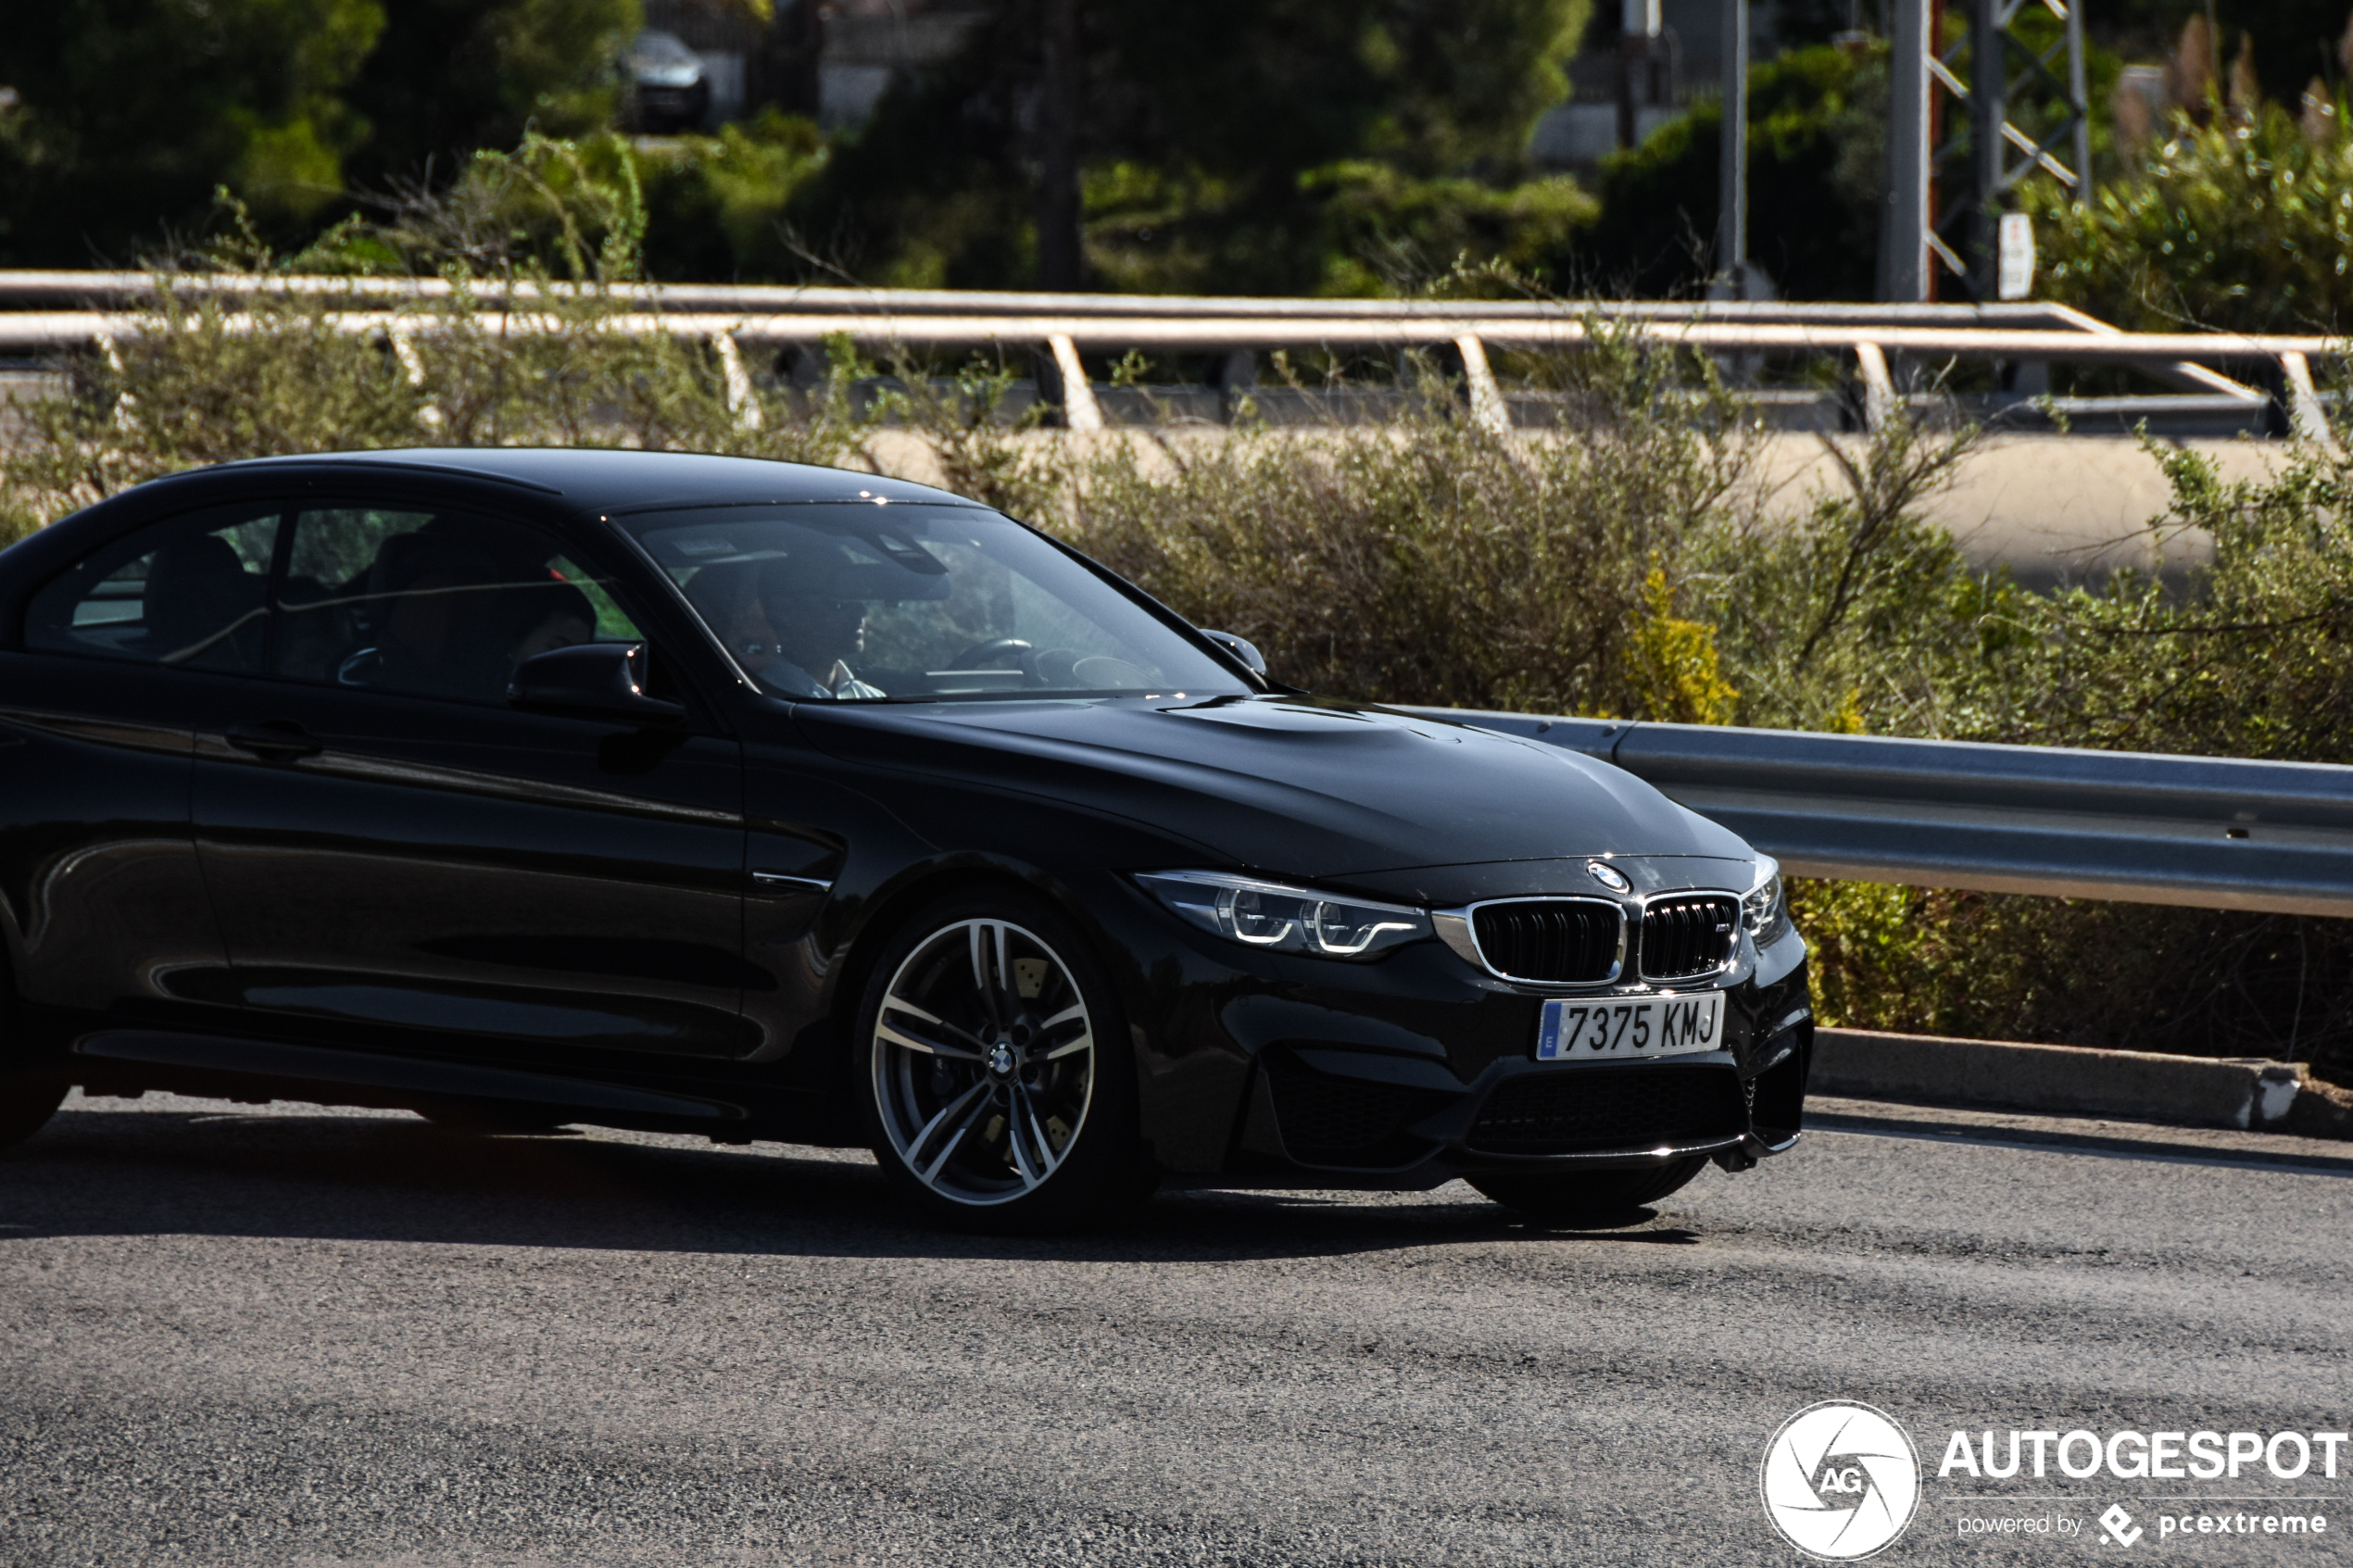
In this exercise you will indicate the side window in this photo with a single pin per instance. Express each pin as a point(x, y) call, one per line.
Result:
point(187, 592)
point(430, 604)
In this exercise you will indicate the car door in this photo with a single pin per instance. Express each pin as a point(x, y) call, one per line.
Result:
point(123, 654)
point(400, 859)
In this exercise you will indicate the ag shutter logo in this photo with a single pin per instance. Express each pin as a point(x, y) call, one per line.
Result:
point(1841, 1480)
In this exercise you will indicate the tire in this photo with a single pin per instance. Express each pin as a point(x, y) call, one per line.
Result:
point(992, 1071)
point(1589, 1194)
point(26, 1105)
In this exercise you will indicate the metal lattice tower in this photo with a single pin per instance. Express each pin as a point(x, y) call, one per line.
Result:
point(1956, 150)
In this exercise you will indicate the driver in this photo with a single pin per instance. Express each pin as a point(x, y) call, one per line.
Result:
point(789, 639)
point(817, 635)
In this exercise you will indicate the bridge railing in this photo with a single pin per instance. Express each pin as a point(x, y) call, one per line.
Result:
point(48, 313)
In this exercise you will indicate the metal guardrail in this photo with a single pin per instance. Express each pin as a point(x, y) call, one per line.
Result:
point(117, 291)
point(2202, 831)
point(61, 311)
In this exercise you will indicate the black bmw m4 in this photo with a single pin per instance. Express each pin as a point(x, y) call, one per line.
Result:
point(706, 795)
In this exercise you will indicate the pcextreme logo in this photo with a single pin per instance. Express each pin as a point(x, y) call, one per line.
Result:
point(1841, 1480)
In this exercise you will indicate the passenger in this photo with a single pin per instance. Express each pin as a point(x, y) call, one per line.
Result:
point(430, 605)
point(550, 617)
point(317, 627)
point(200, 605)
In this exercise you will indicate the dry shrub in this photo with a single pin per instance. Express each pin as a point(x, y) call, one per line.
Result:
point(1433, 560)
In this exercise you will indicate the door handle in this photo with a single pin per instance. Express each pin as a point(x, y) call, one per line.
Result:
point(280, 741)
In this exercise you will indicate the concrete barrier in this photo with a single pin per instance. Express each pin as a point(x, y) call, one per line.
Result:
point(2141, 1085)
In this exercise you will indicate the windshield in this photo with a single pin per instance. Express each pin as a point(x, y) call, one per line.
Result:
point(867, 602)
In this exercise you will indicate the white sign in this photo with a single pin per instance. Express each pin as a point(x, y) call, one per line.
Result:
point(2015, 256)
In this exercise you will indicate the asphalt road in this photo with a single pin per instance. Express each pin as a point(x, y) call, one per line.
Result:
point(305, 1336)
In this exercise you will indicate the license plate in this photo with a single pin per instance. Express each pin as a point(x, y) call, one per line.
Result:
point(1624, 1026)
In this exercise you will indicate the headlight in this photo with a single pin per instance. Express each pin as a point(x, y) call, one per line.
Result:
point(1283, 919)
point(1764, 909)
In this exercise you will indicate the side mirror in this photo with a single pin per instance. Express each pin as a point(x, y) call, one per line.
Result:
point(1240, 648)
point(592, 680)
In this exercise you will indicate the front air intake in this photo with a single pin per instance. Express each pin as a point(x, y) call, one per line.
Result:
point(1611, 1109)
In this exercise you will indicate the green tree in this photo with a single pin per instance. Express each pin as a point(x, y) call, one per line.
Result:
point(1202, 127)
point(1816, 149)
point(449, 77)
point(131, 112)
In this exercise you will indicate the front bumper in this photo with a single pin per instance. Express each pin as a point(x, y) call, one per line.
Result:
point(1410, 1073)
point(1347, 1117)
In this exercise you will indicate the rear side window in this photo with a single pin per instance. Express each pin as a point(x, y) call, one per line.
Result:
point(430, 604)
point(188, 592)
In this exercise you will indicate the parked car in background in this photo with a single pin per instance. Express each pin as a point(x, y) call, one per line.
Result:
point(757, 800)
point(670, 88)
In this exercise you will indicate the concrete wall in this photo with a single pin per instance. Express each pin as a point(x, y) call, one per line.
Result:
point(2052, 509)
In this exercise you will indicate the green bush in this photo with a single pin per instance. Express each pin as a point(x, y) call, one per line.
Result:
point(1435, 562)
point(716, 205)
point(2227, 227)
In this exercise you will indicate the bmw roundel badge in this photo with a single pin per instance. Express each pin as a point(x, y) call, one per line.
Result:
point(1609, 877)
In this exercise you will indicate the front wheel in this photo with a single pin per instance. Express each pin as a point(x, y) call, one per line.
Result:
point(993, 1069)
point(1588, 1195)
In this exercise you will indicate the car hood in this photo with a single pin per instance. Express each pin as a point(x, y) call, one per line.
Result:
point(1286, 786)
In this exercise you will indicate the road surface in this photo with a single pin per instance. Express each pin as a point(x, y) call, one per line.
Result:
point(306, 1336)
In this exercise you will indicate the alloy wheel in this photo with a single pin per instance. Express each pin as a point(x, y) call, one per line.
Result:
point(984, 1062)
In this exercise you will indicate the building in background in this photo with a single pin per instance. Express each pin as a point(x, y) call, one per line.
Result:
point(868, 44)
point(1626, 85)
point(829, 59)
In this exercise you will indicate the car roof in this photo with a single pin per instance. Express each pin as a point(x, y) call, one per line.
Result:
point(610, 480)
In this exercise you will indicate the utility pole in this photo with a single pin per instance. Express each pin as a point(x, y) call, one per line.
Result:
point(1061, 244)
point(1732, 222)
point(1903, 275)
point(1645, 66)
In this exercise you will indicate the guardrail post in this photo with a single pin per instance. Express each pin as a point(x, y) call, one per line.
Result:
point(123, 401)
point(741, 400)
point(1486, 405)
point(1080, 411)
point(2308, 417)
point(1879, 402)
point(413, 365)
point(1231, 375)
